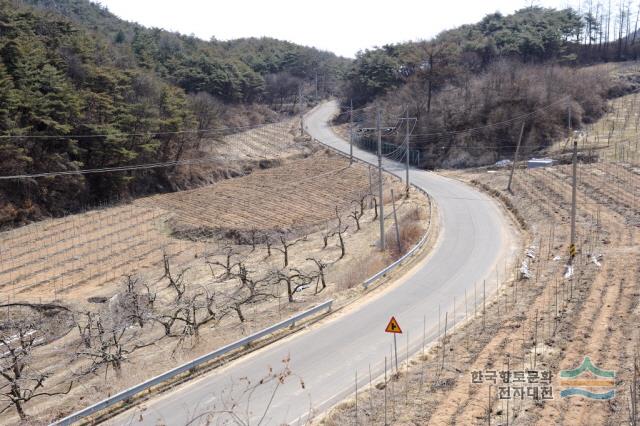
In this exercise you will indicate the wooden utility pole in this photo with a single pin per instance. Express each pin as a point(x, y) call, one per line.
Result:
point(380, 189)
point(515, 158)
point(572, 247)
point(301, 112)
point(350, 133)
point(408, 120)
point(395, 219)
point(407, 150)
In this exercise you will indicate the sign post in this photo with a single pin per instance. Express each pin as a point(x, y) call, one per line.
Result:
point(394, 328)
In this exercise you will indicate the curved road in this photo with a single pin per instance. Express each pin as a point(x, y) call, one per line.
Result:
point(474, 238)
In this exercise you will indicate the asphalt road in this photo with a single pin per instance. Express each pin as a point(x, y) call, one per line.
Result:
point(475, 238)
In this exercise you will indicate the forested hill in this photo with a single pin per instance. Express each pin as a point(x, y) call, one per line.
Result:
point(233, 70)
point(496, 70)
point(70, 68)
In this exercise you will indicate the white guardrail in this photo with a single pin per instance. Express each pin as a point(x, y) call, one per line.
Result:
point(129, 393)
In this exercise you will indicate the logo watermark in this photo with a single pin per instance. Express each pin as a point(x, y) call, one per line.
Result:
point(517, 384)
point(588, 381)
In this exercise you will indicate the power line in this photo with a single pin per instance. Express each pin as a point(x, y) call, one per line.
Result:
point(233, 130)
point(488, 126)
point(110, 169)
point(211, 159)
point(146, 166)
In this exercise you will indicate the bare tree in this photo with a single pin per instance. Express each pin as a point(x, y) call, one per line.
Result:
point(106, 341)
point(234, 405)
point(363, 202)
point(229, 254)
point(176, 282)
point(320, 276)
point(268, 242)
point(326, 234)
point(339, 231)
point(135, 302)
point(295, 280)
point(253, 236)
point(190, 309)
point(207, 111)
point(250, 290)
point(375, 207)
point(356, 214)
point(21, 381)
point(197, 310)
point(287, 243)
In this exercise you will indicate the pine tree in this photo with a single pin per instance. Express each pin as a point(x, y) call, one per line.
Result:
point(8, 100)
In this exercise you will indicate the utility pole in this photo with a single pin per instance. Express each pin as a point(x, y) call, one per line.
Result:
point(407, 150)
point(351, 132)
point(572, 247)
point(395, 220)
point(301, 111)
point(409, 129)
point(515, 159)
point(380, 191)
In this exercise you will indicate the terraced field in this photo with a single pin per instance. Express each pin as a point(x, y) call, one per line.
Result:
point(297, 194)
point(81, 255)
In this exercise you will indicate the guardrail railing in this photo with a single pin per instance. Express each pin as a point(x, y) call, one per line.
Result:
point(131, 392)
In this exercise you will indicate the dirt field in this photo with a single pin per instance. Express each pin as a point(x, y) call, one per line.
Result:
point(81, 262)
point(547, 322)
point(270, 141)
point(86, 254)
point(297, 194)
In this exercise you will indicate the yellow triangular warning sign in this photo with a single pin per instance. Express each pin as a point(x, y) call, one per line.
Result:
point(393, 326)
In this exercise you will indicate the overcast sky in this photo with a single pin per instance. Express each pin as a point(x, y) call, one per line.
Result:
point(340, 26)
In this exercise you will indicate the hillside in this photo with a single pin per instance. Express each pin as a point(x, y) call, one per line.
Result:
point(488, 76)
point(82, 89)
point(237, 70)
